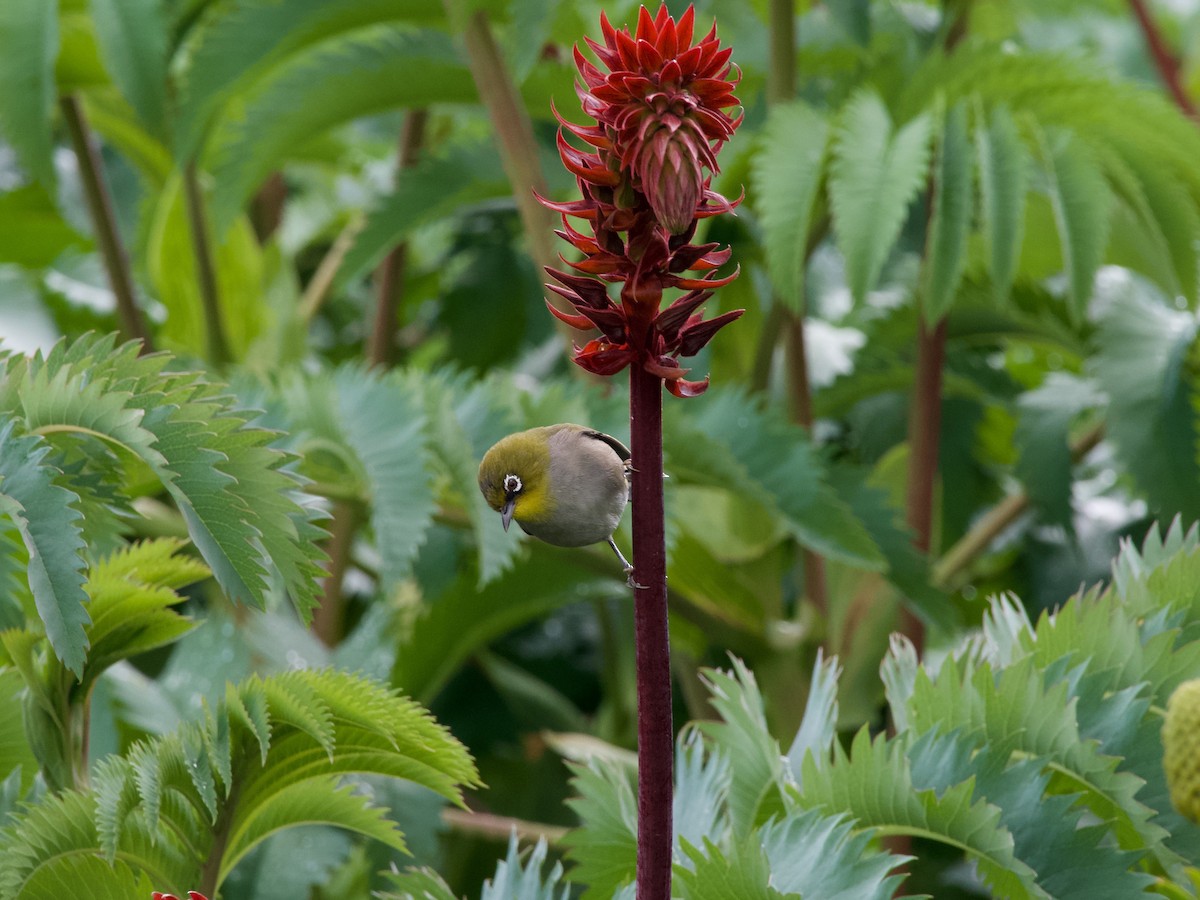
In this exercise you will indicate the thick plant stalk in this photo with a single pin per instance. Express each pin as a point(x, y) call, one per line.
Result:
point(781, 88)
point(514, 134)
point(655, 730)
point(661, 115)
point(100, 207)
point(329, 619)
point(924, 427)
point(389, 277)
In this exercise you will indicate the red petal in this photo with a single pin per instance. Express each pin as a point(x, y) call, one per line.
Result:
point(700, 284)
point(649, 59)
point(603, 358)
point(646, 28)
point(685, 389)
point(196, 895)
point(582, 323)
point(597, 265)
point(589, 291)
point(683, 31)
point(692, 338)
point(665, 368)
point(579, 208)
point(671, 319)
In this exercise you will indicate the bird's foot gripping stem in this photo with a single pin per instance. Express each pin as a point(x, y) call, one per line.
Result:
point(627, 565)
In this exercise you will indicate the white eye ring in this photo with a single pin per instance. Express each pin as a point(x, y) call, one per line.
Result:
point(512, 484)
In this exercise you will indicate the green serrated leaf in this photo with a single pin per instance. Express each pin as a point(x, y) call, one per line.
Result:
point(171, 266)
point(467, 617)
point(787, 172)
point(32, 232)
point(517, 880)
point(744, 875)
point(1044, 419)
point(28, 49)
point(385, 426)
point(818, 728)
point(730, 441)
point(369, 71)
point(316, 801)
point(815, 855)
point(1081, 200)
point(417, 884)
point(133, 40)
point(950, 223)
point(16, 756)
point(744, 738)
point(44, 513)
point(1140, 364)
point(1003, 180)
point(604, 850)
point(246, 41)
point(874, 784)
point(453, 447)
point(1070, 858)
point(874, 175)
point(86, 876)
point(439, 185)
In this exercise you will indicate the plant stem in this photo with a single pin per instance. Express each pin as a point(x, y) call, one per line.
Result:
point(210, 871)
point(653, 652)
point(924, 426)
point(329, 619)
point(514, 133)
point(498, 828)
point(217, 346)
point(956, 560)
point(266, 209)
point(100, 206)
point(389, 277)
point(781, 76)
point(815, 586)
point(317, 290)
point(781, 88)
point(1164, 60)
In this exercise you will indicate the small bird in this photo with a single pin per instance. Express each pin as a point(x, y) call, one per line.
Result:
point(564, 484)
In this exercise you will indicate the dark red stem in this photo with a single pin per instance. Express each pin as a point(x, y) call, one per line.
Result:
point(1164, 59)
point(924, 426)
point(653, 652)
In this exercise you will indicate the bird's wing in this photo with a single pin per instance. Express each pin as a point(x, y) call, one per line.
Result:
point(620, 449)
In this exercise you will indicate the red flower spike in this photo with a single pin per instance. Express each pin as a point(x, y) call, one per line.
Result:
point(663, 106)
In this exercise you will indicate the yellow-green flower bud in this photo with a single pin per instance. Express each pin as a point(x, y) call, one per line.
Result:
point(1181, 748)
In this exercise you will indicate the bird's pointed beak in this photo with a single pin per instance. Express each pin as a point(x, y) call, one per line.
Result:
point(506, 513)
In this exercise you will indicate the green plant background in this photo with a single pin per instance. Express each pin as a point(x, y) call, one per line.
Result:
point(187, 697)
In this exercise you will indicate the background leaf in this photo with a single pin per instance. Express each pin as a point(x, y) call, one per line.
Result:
point(28, 49)
point(875, 173)
point(133, 39)
point(787, 171)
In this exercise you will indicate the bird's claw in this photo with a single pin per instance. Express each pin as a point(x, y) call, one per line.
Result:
point(629, 580)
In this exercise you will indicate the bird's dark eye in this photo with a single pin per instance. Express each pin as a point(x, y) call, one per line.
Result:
point(512, 485)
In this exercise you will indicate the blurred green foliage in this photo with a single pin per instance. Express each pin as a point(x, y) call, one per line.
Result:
point(1011, 166)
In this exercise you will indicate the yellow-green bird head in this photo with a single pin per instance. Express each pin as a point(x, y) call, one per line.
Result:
point(514, 477)
point(564, 484)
